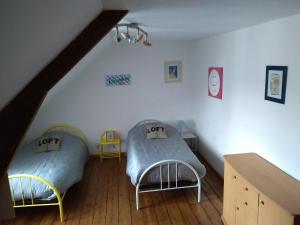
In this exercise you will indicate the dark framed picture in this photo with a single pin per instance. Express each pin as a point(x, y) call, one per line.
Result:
point(276, 78)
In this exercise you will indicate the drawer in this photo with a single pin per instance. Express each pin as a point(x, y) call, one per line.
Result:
point(246, 193)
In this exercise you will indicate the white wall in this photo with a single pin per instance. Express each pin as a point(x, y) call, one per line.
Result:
point(89, 104)
point(243, 121)
point(33, 32)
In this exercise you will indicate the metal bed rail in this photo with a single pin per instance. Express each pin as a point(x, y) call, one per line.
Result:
point(32, 201)
point(161, 165)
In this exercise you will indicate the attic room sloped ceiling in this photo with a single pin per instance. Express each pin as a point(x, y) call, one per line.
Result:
point(16, 116)
point(33, 32)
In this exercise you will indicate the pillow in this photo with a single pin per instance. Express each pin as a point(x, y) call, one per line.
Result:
point(54, 143)
point(48, 144)
point(42, 144)
point(148, 121)
point(156, 131)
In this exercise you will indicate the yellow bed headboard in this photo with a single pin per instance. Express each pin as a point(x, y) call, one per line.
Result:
point(68, 129)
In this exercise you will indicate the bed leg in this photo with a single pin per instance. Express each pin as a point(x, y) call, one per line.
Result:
point(137, 202)
point(199, 192)
point(61, 212)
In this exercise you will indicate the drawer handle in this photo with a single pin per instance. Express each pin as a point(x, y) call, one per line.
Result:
point(234, 177)
point(237, 208)
point(262, 202)
point(246, 189)
point(246, 203)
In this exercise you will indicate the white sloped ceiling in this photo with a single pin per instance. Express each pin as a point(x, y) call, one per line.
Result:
point(33, 32)
point(194, 19)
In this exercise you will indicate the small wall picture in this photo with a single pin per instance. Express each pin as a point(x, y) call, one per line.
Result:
point(276, 78)
point(109, 135)
point(215, 82)
point(113, 80)
point(173, 71)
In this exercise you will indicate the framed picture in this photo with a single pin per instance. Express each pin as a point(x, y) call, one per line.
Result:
point(276, 77)
point(215, 82)
point(109, 135)
point(113, 80)
point(173, 71)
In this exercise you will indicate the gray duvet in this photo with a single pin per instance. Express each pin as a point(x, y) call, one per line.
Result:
point(62, 168)
point(143, 152)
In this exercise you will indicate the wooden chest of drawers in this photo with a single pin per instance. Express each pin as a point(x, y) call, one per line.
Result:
point(258, 193)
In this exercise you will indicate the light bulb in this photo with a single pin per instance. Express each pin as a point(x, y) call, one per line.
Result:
point(125, 35)
point(146, 43)
point(139, 37)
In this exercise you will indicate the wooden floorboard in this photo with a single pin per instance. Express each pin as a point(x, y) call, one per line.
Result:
point(124, 200)
point(173, 210)
point(137, 217)
point(160, 209)
point(106, 196)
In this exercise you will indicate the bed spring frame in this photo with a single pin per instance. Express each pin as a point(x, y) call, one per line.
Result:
point(160, 165)
point(32, 202)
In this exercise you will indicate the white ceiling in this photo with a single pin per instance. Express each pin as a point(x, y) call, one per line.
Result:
point(194, 19)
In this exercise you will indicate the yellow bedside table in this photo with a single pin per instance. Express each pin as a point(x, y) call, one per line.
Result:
point(110, 145)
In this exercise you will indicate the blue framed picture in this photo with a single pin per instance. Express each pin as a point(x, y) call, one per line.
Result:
point(276, 78)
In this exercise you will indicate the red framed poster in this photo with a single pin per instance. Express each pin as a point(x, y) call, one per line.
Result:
point(215, 82)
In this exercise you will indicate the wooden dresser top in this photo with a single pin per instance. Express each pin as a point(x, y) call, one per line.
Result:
point(268, 179)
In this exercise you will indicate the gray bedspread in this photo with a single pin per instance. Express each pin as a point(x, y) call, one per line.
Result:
point(62, 168)
point(143, 152)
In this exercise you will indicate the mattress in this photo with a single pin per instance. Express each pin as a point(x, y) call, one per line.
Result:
point(143, 152)
point(62, 168)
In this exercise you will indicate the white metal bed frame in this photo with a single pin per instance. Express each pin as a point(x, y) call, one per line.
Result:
point(167, 163)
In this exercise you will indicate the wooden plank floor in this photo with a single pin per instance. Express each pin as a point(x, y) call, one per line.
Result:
point(106, 196)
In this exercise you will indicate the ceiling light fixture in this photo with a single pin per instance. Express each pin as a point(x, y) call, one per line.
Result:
point(132, 33)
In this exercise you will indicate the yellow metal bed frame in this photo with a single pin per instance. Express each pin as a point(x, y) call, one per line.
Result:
point(59, 197)
point(31, 203)
point(68, 129)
